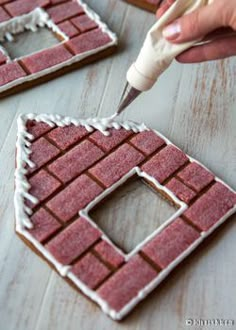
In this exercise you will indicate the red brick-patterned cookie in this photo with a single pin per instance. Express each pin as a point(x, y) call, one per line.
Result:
point(82, 38)
point(65, 167)
point(150, 5)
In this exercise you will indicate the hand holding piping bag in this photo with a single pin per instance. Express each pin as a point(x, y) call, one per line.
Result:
point(182, 25)
point(215, 23)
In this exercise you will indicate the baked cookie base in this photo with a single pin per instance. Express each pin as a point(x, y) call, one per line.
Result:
point(204, 203)
point(82, 38)
point(52, 75)
point(144, 5)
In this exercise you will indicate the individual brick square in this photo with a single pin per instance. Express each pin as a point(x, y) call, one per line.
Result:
point(44, 224)
point(84, 23)
point(211, 206)
point(10, 72)
point(165, 163)
point(75, 161)
point(73, 241)
point(196, 176)
point(43, 185)
point(41, 152)
point(170, 243)
point(75, 197)
point(3, 15)
point(64, 11)
point(109, 254)
point(66, 136)
point(68, 28)
point(46, 58)
point(183, 192)
point(147, 142)
point(88, 41)
point(90, 271)
point(117, 164)
point(3, 58)
point(126, 283)
point(37, 129)
point(107, 143)
point(20, 7)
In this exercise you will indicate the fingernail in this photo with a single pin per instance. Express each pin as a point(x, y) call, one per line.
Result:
point(172, 31)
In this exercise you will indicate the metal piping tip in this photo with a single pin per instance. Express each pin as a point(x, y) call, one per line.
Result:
point(129, 95)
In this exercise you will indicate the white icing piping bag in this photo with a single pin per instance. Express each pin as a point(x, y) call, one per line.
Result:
point(157, 53)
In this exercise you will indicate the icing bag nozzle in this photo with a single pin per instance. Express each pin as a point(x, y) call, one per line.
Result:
point(129, 95)
point(157, 53)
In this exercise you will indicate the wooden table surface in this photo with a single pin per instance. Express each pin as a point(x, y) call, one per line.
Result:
point(193, 105)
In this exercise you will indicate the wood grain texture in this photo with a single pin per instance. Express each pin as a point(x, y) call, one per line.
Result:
point(193, 105)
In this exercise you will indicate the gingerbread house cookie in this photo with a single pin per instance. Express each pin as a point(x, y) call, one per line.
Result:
point(65, 167)
point(150, 5)
point(82, 38)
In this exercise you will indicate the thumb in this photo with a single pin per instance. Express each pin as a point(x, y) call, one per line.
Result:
point(195, 25)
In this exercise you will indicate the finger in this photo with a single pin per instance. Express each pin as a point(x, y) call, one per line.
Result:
point(219, 33)
point(217, 49)
point(164, 7)
point(162, 10)
point(196, 25)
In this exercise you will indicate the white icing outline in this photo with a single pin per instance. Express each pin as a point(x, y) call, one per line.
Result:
point(39, 17)
point(22, 213)
point(31, 22)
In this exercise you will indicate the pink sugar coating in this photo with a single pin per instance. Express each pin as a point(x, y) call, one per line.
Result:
point(125, 284)
point(68, 28)
point(46, 58)
point(196, 176)
point(107, 143)
point(90, 270)
point(116, 165)
point(10, 72)
point(170, 243)
point(211, 206)
point(43, 185)
point(42, 152)
point(37, 129)
point(76, 161)
point(3, 15)
point(64, 137)
point(84, 23)
point(109, 254)
point(64, 11)
point(165, 163)
point(183, 192)
point(44, 225)
point(73, 241)
point(20, 7)
point(74, 197)
point(147, 142)
point(88, 41)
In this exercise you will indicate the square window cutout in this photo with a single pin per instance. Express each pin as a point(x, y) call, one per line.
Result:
point(29, 42)
point(34, 32)
point(132, 213)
